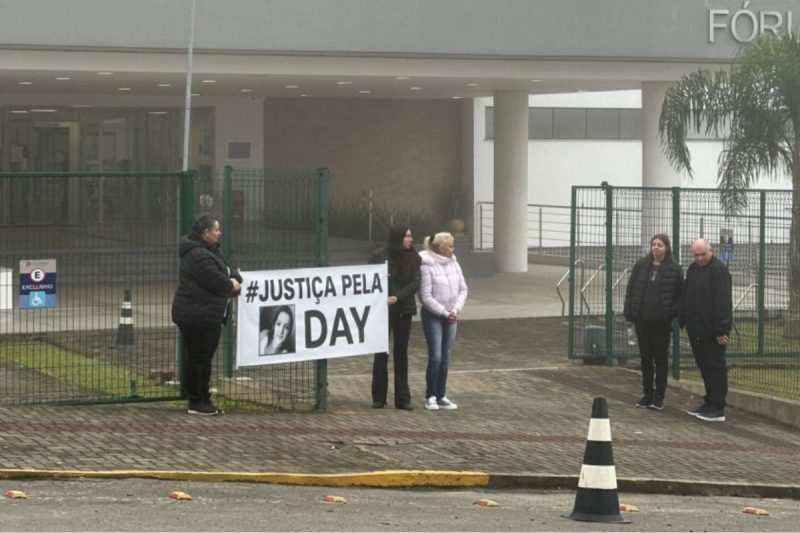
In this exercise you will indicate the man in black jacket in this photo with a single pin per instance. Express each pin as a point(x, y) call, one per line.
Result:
point(707, 315)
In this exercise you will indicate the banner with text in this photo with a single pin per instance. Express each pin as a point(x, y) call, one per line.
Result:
point(311, 313)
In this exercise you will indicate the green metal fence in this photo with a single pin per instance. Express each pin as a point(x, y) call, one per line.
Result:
point(113, 237)
point(611, 228)
point(109, 235)
point(271, 219)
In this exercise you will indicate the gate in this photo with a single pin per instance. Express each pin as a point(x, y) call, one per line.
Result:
point(107, 243)
point(611, 228)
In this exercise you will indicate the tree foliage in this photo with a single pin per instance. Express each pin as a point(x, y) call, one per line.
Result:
point(754, 105)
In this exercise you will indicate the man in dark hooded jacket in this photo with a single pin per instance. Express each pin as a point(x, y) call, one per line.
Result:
point(707, 315)
point(205, 286)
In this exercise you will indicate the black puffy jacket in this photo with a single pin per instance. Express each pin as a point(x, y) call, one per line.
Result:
point(204, 284)
point(670, 289)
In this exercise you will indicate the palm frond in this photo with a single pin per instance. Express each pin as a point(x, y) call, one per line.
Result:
point(699, 100)
point(756, 104)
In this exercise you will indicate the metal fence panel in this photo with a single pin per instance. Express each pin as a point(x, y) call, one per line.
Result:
point(113, 239)
point(611, 229)
point(271, 219)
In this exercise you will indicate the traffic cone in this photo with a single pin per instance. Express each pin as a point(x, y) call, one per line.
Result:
point(125, 330)
point(597, 499)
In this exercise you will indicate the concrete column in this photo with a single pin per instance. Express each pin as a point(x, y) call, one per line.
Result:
point(511, 181)
point(656, 170)
point(468, 165)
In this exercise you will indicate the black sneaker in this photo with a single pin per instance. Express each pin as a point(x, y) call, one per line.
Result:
point(217, 409)
point(711, 415)
point(697, 410)
point(657, 404)
point(644, 402)
point(205, 409)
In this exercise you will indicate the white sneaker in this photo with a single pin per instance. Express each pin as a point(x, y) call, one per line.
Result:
point(431, 404)
point(446, 404)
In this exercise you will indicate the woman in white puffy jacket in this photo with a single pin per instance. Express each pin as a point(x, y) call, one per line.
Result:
point(442, 292)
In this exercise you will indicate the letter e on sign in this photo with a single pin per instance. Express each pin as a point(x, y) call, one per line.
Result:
point(37, 275)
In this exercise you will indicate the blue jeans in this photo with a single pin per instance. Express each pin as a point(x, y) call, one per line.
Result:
point(440, 336)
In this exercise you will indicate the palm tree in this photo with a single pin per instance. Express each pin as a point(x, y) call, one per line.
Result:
point(756, 104)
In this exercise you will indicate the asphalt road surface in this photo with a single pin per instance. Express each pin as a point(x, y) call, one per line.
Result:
point(145, 505)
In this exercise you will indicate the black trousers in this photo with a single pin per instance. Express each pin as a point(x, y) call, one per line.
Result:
point(400, 328)
point(653, 339)
point(200, 344)
point(710, 358)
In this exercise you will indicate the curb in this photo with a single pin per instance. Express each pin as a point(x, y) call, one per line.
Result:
point(427, 478)
point(677, 487)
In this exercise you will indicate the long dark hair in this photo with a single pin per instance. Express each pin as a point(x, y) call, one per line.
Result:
point(402, 263)
point(665, 239)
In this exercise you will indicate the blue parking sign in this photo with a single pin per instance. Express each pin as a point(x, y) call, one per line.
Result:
point(37, 283)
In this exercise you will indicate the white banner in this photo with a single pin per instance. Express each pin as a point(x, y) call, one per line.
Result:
point(311, 313)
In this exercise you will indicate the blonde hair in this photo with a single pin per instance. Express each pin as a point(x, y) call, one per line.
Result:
point(435, 241)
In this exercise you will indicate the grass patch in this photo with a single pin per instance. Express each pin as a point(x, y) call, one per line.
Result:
point(781, 382)
point(90, 374)
point(774, 340)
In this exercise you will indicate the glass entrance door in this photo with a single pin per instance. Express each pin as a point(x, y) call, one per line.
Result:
point(55, 200)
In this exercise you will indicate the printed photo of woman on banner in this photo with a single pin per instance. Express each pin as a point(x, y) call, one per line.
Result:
point(276, 325)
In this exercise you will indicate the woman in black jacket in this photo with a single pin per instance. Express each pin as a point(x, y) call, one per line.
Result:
point(652, 300)
point(205, 286)
point(404, 279)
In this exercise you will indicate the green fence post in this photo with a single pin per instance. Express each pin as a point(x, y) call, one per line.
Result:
point(572, 245)
point(323, 176)
point(676, 255)
point(227, 251)
point(762, 266)
point(609, 272)
point(185, 221)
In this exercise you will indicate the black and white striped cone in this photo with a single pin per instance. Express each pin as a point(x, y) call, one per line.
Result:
point(125, 330)
point(597, 499)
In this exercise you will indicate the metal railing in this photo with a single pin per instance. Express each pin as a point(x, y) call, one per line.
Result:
point(374, 209)
point(547, 232)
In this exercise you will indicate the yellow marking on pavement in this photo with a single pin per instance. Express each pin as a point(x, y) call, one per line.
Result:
point(385, 478)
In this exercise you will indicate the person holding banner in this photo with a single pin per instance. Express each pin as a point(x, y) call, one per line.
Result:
point(443, 292)
point(404, 281)
point(205, 286)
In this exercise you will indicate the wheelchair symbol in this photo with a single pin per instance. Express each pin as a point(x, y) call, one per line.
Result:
point(37, 299)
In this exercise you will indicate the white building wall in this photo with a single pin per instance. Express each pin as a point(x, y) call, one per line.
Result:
point(556, 165)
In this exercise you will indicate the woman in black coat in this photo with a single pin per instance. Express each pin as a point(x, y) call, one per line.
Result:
point(205, 286)
point(652, 300)
point(404, 280)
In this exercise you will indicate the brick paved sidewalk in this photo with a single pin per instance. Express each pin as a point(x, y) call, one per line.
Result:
point(523, 409)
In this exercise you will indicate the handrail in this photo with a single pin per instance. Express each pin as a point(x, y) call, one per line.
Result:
point(563, 278)
point(746, 292)
point(367, 198)
point(614, 285)
point(586, 286)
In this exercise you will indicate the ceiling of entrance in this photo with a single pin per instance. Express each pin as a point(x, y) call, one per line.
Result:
point(76, 72)
point(25, 82)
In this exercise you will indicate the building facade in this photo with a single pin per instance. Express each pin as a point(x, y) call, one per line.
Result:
point(390, 95)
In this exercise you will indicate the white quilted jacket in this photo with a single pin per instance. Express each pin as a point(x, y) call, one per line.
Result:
point(443, 288)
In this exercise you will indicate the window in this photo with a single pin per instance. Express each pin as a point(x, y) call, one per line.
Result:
point(578, 123)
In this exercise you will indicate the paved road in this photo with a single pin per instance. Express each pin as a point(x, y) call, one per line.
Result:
point(144, 505)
